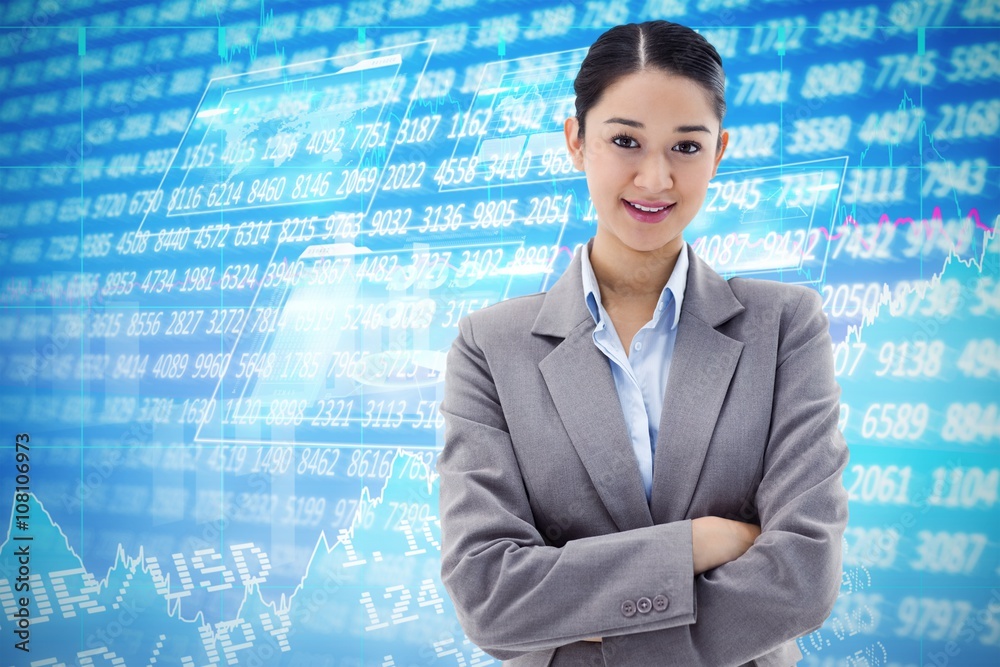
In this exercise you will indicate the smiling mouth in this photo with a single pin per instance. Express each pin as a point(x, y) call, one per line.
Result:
point(648, 209)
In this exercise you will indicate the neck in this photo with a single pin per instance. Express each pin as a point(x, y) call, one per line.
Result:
point(634, 275)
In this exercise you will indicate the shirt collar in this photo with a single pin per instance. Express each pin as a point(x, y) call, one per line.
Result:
point(674, 288)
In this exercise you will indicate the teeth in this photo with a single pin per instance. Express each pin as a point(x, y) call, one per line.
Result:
point(648, 210)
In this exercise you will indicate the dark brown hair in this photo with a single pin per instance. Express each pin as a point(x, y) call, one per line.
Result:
point(632, 47)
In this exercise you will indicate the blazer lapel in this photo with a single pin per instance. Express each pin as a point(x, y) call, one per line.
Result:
point(701, 370)
point(578, 377)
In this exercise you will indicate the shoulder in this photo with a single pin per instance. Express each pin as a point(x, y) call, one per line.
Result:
point(789, 314)
point(503, 323)
point(494, 345)
point(793, 313)
point(510, 315)
point(752, 291)
point(784, 301)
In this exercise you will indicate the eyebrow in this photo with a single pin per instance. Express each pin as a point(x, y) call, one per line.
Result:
point(637, 124)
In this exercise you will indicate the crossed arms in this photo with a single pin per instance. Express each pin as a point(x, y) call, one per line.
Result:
point(514, 594)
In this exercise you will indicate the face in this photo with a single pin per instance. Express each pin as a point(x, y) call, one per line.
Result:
point(651, 140)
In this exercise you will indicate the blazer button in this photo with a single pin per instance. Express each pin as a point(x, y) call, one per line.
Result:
point(660, 602)
point(643, 605)
point(628, 608)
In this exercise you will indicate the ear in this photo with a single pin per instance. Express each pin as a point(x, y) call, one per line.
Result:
point(573, 143)
point(723, 142)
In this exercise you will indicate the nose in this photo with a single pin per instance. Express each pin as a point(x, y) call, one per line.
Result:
point(655, 173)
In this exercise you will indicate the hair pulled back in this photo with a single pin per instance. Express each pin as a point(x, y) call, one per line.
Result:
point(632, 47)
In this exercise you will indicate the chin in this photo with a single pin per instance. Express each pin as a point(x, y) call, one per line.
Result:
point(648, 244)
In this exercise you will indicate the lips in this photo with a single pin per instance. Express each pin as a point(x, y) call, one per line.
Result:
point(649, 204)
point(648, 216)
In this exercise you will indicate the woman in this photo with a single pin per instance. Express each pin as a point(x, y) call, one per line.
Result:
point(642, 465)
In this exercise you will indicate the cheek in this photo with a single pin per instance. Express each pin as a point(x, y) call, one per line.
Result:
point(603, 176)
point(696, 180)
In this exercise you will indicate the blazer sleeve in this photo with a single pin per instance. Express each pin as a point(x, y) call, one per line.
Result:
point(512, 593)
point(785, 585)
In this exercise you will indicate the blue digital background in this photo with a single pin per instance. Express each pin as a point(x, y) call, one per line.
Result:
point(236, 239)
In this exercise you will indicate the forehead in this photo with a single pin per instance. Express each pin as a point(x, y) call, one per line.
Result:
point(656, 99)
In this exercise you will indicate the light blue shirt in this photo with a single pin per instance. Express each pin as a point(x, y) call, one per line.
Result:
point(641, 376)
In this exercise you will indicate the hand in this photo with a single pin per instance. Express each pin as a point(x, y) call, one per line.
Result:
point(715, 541)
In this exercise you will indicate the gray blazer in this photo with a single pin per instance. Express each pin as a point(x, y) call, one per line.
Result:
point(547, 537)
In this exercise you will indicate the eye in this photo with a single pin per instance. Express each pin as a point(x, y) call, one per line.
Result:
point(687, 147)
point(624, 136)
